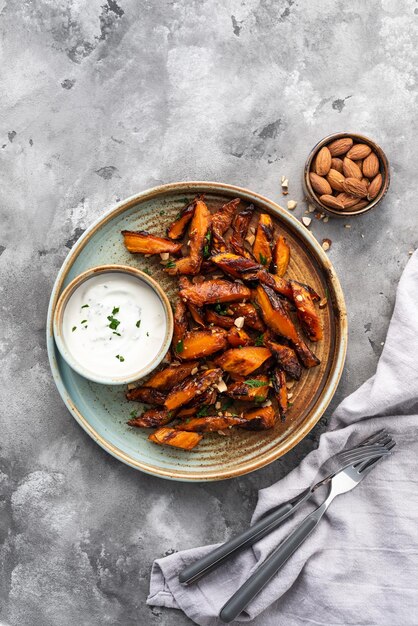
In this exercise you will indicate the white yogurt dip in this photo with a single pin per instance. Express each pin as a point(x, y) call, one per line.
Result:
point(114, 325)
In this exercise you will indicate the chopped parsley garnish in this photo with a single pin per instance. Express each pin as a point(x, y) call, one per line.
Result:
point(162, 212)
point(114, 323)
point(180, 346)
point(263, 259)
point(120, 357)
point(83, 322)
point(133, 413)
point(115, 310)
point(221, 310)
point(85, 306)
point(204, 411)
point(259, 398)
point(147, 334)
point(252, 382)
point(73, 328)
point(147, 271)
point(115, 333)
point(290, 404)
point(170, 264)
point(206, 248)
point(227, 403)
point(260, 340)
point(138, 324)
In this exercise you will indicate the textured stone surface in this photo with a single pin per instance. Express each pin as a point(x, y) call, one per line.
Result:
point(102, 100)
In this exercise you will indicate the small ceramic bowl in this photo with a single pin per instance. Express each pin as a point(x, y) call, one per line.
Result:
point(384, 170)
point(58, 317)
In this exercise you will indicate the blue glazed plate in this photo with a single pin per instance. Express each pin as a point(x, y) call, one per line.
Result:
point(103, 410)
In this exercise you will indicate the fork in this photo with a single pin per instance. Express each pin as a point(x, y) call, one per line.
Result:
point(343, 481)
point(372, 447)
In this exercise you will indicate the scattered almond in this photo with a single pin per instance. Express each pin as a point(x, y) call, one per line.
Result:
point(347, 199)
point(292, 204)
point(374, 187)
point(311, 208)
point(131, 385)
point(326, 218)
point(336, 180)
point(337, 164)
point(285, 185)
point(355, 187)
point(347, 225)
point(320, 184)
point(164, 256)
point(359, 164)
point(194, 371)
point(289, 395)
point(359, 151)
point(306, 220)
point(218, 405)
point(326, 244)
point(332, 202)
point(239, 322)
point(324, 301)
point(221, 386)
point(290, 384)
point(323, 162)
point(351, 169)
point(250, 239)
point(340, 146)
point(371, 165)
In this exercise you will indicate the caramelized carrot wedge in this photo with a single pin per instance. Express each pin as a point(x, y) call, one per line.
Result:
point(146, 395)
point(215, 291)
point(212, 317)
point(280, 389)
point(263, 238)
point(286, 359)
point(177, 228)
point(255, 389)
point(307, 315)
point(197, 344)
point(239, 231)
point(180, 325)
point(191, 387)
point(195, 311)
point(142, 242)
point(234, 265)
point(277, 318)
point(221, 221)
point(281, 256)
point(172, 375)
point(249, 313)
point(262, 418)
point(152, 418)
point(199, 229)
point(243, 361)
point(275, 282)
point(204, 399)
point(210, 423)
point(238, 337)
point(175, 438)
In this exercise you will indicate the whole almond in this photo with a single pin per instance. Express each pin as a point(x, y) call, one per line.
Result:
point(360, 205)
point(366, 181)
point(355, 187)
point(371, 165)
point(359, 151)
point(374, 187)
point(331, 202)
point(323, 162)
point(347, 200)
point(351, 170)
point(320, 184)
point(336, 180)
point(359, 164)
point(337, 164)
point(340, 146)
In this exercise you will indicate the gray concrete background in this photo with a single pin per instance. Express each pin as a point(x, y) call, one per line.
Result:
point(102, 99)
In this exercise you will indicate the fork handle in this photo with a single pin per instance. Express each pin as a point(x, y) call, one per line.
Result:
point(263, 574)
point(265, 525)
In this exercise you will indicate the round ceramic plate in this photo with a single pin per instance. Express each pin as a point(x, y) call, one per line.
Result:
point(103, 410)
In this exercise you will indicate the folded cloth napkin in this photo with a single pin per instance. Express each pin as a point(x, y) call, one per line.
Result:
point(360, 565)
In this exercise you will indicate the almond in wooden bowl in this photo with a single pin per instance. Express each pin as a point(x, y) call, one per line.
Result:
point(346, 174)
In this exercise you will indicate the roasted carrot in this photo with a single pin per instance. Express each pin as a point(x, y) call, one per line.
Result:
point(286, 359)
point(243, 361)
point(172, 375)
point(307, 315)
point(152, 418)
point(142, 242)
point(281, 256)
point(215, 291)
point(191, 387)
point(177, 228)
point(175, 438)
point(199, 229)
point(210, 423)
point(262, 418)
point(197, 344)
point(221, 221)
point(263, 238)
point(239, 231)
point(280, 389)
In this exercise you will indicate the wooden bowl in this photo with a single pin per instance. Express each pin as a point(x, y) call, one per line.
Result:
point(384, 170)
point(102, 410)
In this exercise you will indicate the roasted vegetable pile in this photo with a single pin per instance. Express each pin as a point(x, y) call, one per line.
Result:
point(239, 325)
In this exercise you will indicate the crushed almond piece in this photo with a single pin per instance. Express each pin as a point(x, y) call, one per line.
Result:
point(326, 219)
point(221, 432)
point(290, 384)
point(194, 371)
point(311, 208)
point(252, 230)
point(411, 252)
point(239, 322)
point(347, 225)
point(306, 221)
point(250, 239)
point(326, 244)
point(218, 405)
point(290, 395)
point(267, 403)
point(164, 256)
point(323, 303)
point(299, 297)
point(221, 386)
point(131, 385)
point(319, 216)
point(204, 367)
point(292, 204)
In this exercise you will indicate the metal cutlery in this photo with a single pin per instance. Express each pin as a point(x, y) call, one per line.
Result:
point(343, 481)
point(371, 448)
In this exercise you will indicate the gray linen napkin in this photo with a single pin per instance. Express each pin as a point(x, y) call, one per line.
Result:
point(360, 566)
